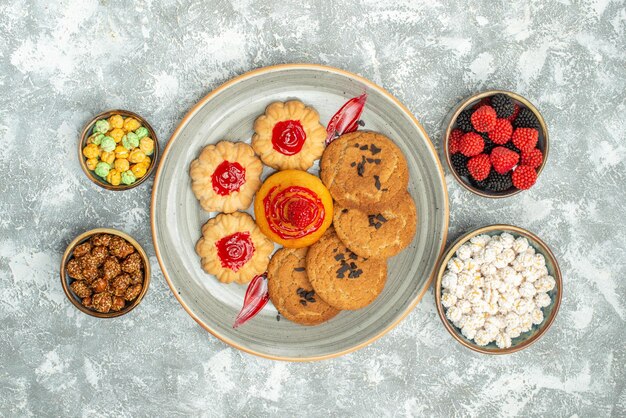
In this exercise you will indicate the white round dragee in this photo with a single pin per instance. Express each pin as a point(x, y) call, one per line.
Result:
point(495, 288)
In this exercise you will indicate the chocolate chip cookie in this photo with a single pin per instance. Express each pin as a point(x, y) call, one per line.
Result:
point(377, 234)
point(364, 170)
point(291, 292)
point(342, 278)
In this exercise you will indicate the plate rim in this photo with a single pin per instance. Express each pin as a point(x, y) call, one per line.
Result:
point(264, 70)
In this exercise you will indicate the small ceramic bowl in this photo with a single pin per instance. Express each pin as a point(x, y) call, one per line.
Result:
point(543, 144)
point(66, 280)
point(526, 338)
point(88, 130)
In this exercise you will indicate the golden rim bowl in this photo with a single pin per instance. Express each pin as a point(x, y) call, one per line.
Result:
point(527, 338)
point(66, 280)
point(86, 132)
point(543, 144)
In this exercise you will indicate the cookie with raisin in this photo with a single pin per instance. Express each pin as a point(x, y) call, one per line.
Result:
point(340, 277)
point(364, 169)
point(379, 233)
point(291, 291)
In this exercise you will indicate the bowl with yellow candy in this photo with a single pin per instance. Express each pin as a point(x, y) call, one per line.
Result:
point(118, 149)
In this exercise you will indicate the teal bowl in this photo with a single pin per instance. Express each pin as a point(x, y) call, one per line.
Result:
point(549, 312)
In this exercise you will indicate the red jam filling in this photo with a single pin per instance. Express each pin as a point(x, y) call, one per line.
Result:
point(293, 212)
point(235, 250)
point(228, 177)
point(288, 137)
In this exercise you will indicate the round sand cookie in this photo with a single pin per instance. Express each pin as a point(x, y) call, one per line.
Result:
point(378, 234)
point(342, 278)
point(364, 170)
point(291, 292)
point(233, 248)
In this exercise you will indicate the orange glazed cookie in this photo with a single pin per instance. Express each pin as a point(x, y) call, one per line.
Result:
point(342, 278)
point(378, 234)
point(364, 170)
point(233, 248)
point(225, 176)
point(291, 292)
point(293, 208)
point(289, 136)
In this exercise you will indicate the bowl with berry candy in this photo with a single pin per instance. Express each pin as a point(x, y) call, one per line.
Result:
point(496, 143)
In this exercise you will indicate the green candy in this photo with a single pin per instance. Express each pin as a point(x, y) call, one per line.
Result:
point(130, 141)
point(102, 126)
point(141, 132)
point(107, 144)
point(102, 169)
point(128, 177)
point(97, 139)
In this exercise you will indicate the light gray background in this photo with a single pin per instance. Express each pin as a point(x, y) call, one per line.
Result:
point(62, 62)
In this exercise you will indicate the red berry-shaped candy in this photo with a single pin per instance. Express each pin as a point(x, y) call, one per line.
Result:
point(455, 140)
point(479, 167)
point(501, 132)
point(299, 213)
point(525, 138)
point(532, 158)
point(524, 177)
point(471, 144)
point(503, 159)
point(484, 119)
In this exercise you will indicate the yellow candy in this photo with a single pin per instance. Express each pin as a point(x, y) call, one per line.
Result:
point(108, 157)
point(91, 151)
point(91, 163)
point(121, 152)
point(116, 121)
point(121, 165)
point(146, 145)
point(136, 156)
point(130, 124)
point(114, 177)
point(116, 134)
point(139, 170)
point(146, 161)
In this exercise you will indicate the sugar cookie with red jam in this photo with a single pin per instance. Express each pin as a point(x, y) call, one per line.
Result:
point(233, 248)
point(225, 176)
point(289, 136)
point(293, 208)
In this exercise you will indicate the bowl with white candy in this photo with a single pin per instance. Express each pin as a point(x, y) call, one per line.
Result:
point(498, 289)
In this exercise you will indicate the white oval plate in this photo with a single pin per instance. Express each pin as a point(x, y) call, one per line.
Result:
point(228, 113)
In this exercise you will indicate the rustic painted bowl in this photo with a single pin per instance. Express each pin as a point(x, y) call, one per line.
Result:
point(88, 130)
point(543, 144)
point(67, 280)
point(228, 113)
point(526, 338)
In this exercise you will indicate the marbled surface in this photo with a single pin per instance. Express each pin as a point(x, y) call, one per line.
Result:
point(63, 61)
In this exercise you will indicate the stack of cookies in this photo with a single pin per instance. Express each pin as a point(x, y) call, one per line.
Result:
point(374, 218)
